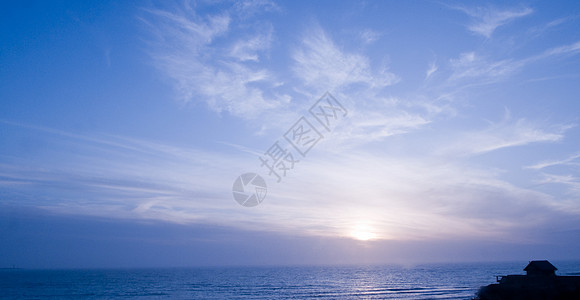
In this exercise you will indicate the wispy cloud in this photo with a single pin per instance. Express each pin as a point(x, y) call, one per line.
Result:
point(123, 177)
point(561, 50)
point(394, 197)
point(568, 190)
point(204, 71)
point(249, 49)
point(571, 181)
point(398, 197)
point(562, 175)
point(365, 125)
point(431, 70)
point(571, 160)
point(539, 30)
point(488, 19)
point(504, 134)
point(470, 65)
point(406, 198)
point(249, 8)
point(478, 69)
point(369, 36)
point(320, 62)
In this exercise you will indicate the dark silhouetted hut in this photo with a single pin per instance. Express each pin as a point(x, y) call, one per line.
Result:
point(539, 283)
point(540, 267)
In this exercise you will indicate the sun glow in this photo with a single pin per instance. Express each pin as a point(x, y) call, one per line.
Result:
point(363, 233)
point(364, 236)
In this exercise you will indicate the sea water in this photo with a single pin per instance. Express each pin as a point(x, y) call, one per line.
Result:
point(432, 281)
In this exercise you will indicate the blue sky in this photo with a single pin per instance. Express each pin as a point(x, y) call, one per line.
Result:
point(124, 125)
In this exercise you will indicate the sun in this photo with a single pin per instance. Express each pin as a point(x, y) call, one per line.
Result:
point(363, 233)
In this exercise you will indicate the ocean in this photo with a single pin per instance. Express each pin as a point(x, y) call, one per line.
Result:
point(430, 281)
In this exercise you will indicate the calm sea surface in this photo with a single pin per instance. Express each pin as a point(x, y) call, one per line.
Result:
point(434, 281)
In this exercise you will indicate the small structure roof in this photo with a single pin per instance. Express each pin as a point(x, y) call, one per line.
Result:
point(540, 265)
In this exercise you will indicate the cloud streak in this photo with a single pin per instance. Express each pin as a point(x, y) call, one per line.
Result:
point(319, 62)
point(202, 70)
point(392, 196)
point(488, 19)
point(478, 69)
point(567, 161)
point(505, 134)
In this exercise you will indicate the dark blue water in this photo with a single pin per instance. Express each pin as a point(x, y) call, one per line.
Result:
point(435, 281)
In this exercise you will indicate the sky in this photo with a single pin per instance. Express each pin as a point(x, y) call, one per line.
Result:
point(132, 133)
